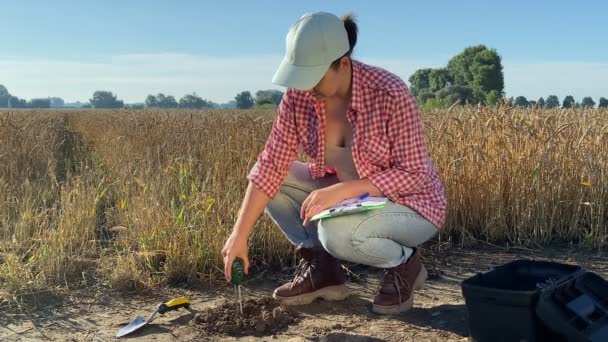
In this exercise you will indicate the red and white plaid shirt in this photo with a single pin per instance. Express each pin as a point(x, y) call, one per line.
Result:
point(388, 143)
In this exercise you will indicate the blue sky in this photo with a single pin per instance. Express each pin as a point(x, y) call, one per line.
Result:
point(133, 48)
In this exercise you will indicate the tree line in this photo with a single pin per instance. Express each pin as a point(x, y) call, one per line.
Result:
point(243, 100)
point(106, 99)
point(473, 76)
point(10, 101)
point(553, 102)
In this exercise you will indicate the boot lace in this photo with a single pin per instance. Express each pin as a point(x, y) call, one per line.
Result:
point(304, 271)
point(393, 278)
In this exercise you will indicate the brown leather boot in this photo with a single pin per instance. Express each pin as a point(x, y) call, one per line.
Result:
point(319, 275)
point(395, 294)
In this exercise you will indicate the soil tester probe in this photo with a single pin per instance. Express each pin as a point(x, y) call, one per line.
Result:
point(139, 322)
point(236, 279)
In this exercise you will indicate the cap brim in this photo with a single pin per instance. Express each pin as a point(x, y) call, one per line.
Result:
point(298, 77)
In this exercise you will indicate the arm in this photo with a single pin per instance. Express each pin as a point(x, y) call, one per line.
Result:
point(322, 199)
point(355, 188)
point(236, 245)
point(280, 151)
point(252, 208)
point(265, 179)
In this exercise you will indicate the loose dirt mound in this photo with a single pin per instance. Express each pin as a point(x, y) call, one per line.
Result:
point(261, 317)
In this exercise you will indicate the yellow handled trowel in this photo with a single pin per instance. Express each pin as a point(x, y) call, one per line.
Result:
point(139, 322)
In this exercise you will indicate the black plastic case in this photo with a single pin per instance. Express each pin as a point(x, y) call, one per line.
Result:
point(502, 303)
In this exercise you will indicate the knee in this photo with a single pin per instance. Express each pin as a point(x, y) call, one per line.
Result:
point(335, 238)
point(278, 204)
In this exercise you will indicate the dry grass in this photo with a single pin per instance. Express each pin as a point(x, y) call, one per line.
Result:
point(135, 199)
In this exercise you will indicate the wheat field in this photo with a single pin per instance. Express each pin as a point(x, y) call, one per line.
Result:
point(137, 199)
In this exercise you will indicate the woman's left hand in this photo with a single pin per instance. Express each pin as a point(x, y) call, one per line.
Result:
point(321, 199)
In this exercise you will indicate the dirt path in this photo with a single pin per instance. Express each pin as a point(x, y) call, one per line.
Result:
point(439, 313)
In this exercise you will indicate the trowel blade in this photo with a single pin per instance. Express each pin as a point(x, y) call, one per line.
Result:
point(135, 324)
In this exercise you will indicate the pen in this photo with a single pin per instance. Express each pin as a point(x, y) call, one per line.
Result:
point(364, 196)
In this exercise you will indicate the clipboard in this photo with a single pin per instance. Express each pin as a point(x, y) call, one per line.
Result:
point(352, 206)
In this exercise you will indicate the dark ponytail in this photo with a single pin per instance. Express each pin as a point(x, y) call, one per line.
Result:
point(352, 30)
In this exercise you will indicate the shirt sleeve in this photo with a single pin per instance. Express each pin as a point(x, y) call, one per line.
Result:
point(409, 157)
point(280, 150)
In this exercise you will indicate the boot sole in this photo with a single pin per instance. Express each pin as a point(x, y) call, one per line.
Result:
point(407, 305)
point(331, 293)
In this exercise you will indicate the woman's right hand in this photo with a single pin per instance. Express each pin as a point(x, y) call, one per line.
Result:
point(235, 247)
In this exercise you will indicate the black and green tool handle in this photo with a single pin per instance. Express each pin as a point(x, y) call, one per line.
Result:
point(238, 272)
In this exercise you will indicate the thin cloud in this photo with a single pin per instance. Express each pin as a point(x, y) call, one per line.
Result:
point(132, 77)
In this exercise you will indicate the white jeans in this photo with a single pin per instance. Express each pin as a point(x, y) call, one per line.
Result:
point(380, 237)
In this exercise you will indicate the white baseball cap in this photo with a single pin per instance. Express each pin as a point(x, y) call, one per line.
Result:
point(312, 44)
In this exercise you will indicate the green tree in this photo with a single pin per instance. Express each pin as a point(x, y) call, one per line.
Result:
point(492, 98)
point(568, 102)
point(552, 102)
point(521, 101)
point(424, 97)
point(460, 65)
point(57, 102)
point(39, 103)
point(244, 100)
point(603, 103)
point(541, 103)
point(15, 102)
point(587, 102)
point(269, 96)
point(487, 74)
point(151, 102)
point(439, 79)
point(193, 101)
point(105, 99)
point(419, 81)
point(477, 68)
point(451, 94)
point(166, 101)
point(4, 96)
point(434, 103)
